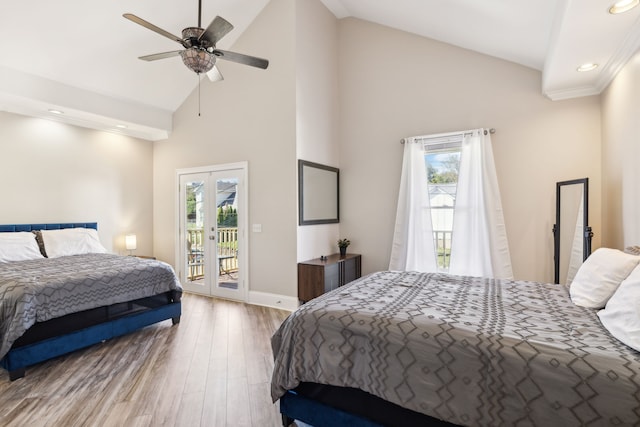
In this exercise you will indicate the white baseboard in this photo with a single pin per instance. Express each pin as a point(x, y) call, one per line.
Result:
point(273, 300)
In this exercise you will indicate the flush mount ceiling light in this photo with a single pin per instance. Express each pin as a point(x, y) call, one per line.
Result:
point(623, 6)
point(587, 67)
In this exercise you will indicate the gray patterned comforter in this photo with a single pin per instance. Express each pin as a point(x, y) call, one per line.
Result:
point(470, 351)
point(39, 290)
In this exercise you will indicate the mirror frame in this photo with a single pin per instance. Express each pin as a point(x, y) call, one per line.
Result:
point(587, 232)
point(305, 191)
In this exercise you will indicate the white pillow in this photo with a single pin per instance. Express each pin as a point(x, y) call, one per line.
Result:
point(621, 316)
point(71, 241)
point(19, 246)
point(599, 277)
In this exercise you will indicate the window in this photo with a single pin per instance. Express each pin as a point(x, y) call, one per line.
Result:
point(442, 161)
point(449, 215)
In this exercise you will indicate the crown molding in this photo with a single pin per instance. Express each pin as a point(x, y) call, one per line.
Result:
point(605, 74)
point(569, 93)
point(619, 59)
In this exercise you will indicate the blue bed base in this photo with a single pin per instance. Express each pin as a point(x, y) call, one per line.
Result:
point(294, 406)
point(352, 410)
point(17, 359)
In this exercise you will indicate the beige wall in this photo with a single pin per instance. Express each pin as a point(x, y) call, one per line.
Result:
point(250, 116)
point(341, 93)
point(316, 109)
point(53, 172)
point(394, 84)
point(620, 158)
point(349, 109)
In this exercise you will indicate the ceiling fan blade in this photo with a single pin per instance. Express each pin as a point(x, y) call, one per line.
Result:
point(218, 28)
point(152, 27)
point(214, 74)
point(242, 59)
point(162, 55)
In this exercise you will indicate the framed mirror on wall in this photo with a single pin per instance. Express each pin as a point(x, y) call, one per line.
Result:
point(318, 193)
point(571, 232)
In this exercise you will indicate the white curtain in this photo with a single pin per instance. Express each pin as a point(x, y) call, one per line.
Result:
point(413, 246)
point(479, 244)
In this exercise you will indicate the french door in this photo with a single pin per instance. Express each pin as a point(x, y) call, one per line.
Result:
point(211, 249)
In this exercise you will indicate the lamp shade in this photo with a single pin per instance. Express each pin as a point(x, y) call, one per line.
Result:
point(130, 242)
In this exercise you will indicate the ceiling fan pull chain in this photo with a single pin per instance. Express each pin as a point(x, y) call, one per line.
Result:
point(198, 74)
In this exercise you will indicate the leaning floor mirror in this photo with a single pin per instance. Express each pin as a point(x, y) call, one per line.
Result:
point(571, 232)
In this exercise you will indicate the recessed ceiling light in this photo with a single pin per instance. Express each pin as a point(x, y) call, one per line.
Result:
point(587, 67)
point(54, 111)
point(121, 126)
point(623, 6)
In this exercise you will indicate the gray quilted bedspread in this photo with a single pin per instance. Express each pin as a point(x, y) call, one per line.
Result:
point(470, 351)
point(39, 290)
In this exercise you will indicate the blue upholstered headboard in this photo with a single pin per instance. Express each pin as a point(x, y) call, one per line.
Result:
point(57, 226)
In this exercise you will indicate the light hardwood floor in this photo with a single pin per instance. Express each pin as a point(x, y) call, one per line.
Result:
point(213, 369)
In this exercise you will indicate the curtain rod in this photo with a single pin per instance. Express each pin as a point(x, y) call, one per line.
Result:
point(442, 135)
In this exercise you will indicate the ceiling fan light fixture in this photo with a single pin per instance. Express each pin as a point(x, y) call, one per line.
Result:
point(200, 53)
point(623, 6)
point(198, 60)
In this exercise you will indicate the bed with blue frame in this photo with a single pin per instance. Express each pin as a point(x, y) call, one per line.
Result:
point(74, 331)
point(402, 348)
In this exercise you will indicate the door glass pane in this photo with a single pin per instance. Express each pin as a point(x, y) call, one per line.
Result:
point(195, 206)
point(227, 232)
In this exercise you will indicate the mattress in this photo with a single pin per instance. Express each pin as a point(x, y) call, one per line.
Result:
point(43, 289)
point(469, 351)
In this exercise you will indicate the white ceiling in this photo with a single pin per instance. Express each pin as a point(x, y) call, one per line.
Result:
point(81, 56)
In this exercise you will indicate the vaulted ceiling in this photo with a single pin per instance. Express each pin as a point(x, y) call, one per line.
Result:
point(81, 57)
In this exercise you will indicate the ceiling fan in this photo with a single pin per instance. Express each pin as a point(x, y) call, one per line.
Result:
point(200, 52)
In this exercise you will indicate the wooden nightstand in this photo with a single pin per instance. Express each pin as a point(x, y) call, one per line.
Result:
point(318, 276)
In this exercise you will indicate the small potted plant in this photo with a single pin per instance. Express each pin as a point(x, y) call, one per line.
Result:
point(342, 244)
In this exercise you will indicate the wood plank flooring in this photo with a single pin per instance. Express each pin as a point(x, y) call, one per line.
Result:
point(213, 369)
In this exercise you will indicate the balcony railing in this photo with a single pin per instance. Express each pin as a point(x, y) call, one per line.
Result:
point(226, 251)
point(442, 239)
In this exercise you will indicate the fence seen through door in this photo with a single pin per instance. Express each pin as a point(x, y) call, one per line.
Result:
point(226, 252)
